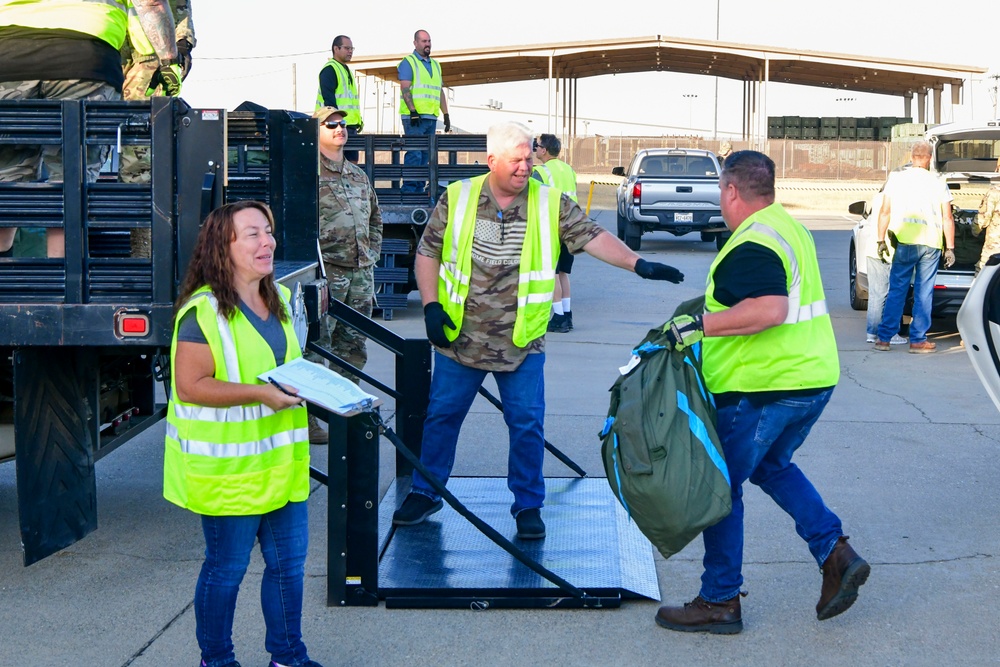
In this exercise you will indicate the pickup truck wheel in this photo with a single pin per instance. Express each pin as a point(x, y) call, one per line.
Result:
point(633, 236)
point(708, 236)
point(857, 302)
point(622, 226)
point(721, 238)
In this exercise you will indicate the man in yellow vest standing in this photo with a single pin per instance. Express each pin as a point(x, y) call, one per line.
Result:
point(81, 40)
point(485, 267)
point(141, 67)
point(422, 97)
point(770, 360)
point(916, 204)
point(339, 90)
point(557, 174)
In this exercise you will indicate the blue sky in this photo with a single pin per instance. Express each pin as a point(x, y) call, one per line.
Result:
point(273, 58)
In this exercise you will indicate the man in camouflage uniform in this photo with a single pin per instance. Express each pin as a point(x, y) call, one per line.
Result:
point(80, 41)
point(350, 237)
point(485, 267)
point(989, 219)
point(141, 67)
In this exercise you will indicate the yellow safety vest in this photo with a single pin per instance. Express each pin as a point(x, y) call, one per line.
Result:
point(922, 223)
point(559, 175)
point(239, 460)
point(800, 353)
point(425, 88)
point(539, 255)
point(347, 93)
point(104, 19)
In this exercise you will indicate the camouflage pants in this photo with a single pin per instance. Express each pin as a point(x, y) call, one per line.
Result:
point(23, 163)
point(991, 245)
point(356, 288)
point(133, 164)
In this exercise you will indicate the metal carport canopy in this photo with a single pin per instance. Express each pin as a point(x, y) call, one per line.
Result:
point(753, 64)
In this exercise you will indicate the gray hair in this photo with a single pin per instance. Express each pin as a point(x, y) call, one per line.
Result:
point(503, 138)
point(921, 148)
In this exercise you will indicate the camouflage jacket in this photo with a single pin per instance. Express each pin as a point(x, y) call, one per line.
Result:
point(350, 223)
point(486, 339)
point(989, 219)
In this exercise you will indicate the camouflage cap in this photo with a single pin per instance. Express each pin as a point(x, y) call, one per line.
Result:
point(323, 113)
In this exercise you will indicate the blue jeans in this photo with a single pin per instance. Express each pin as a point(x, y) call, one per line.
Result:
point(284, 536)
point(907, 258)
point(522, 391)
point(426, 127)
point(758, 442)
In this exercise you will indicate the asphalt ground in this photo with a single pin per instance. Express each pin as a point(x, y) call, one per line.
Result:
point(905, 454)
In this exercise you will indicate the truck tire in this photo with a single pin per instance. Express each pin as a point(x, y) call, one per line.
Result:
point(633, 236)
point(708, 236)
point(622, 226)
point(857, 302)
point(721, 238)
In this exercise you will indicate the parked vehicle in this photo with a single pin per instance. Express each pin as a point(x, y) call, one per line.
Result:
point(965, 156)
point(979, 325)
point(674, 190)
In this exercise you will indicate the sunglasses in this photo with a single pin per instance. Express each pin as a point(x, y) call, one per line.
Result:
point(335, 123)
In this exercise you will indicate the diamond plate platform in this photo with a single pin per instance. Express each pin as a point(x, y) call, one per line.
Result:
point(446, 562)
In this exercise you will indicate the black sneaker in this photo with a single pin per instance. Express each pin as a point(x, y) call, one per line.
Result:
point(559, 324)
point(415, 508)
point(569, 319)
point(530, 525)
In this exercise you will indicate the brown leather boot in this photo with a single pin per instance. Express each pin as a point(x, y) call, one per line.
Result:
point(699, 615)
point(844, 572)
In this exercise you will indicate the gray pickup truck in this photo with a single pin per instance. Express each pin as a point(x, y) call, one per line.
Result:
point(673, 190)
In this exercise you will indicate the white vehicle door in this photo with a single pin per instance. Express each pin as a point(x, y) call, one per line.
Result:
point(979, 324)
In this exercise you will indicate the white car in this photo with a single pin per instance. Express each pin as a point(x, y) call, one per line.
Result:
point(965, 156)
point(979, 326)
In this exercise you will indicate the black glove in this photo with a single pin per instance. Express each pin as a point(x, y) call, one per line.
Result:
point(657, 271)
point(414, 118)
point(184, 57)
point(171, 77)
point(883, 252)
point(447, 123)
point(949, 258)
point(435, 320)
point(684, 331)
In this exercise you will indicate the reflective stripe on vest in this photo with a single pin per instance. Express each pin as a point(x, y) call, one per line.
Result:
point(425, 87)
point(237, 460)
point(539, 254)
point(800, 353)
point(103, 19)
point(347, 93)
point(560, 176)
point(136, 35)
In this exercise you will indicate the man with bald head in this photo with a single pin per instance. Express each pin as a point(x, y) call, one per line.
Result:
point(422, 97)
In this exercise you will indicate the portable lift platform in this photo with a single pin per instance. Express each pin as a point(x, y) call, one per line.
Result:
point(464, 556)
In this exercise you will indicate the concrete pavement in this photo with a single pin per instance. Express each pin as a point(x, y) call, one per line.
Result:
point(905, 454)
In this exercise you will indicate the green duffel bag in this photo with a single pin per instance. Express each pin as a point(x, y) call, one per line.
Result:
point(659, 444)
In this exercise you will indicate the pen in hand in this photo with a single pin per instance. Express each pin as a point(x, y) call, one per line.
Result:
point(278, 385)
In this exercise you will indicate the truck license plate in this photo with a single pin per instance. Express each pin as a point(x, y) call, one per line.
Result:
point(683, 217)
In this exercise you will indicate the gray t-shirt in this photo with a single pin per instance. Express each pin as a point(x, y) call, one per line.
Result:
point(270, 330)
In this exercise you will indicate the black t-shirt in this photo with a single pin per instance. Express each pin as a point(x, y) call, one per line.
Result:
point(30, 54)
point(750, 271)
point(269, 329)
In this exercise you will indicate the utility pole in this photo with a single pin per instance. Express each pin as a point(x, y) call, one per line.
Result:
point(715, 121)
point(993, 94)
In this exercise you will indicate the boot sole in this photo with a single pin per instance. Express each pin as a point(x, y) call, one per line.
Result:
point(412, 522)
point(732, 628)
point(854, 578)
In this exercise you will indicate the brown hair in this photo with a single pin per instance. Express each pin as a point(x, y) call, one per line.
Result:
point(211, 264)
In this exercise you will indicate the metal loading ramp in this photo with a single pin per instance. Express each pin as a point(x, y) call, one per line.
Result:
point(445, 562)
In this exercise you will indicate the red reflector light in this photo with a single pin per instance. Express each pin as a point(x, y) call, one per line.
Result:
point(134, 325)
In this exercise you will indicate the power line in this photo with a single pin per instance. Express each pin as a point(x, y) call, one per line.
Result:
point(282, 55)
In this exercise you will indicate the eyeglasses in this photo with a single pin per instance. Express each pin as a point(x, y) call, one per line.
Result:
point(331, 124)
point(346, 48)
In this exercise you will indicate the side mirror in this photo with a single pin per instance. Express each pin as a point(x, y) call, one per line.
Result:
point(858, 208)
point(618, 171)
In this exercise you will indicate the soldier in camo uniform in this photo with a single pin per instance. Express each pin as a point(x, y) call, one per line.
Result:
point(80, 40)
point(989, 219)
point(350, 237)
point(141, 67)
point(486, 268)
